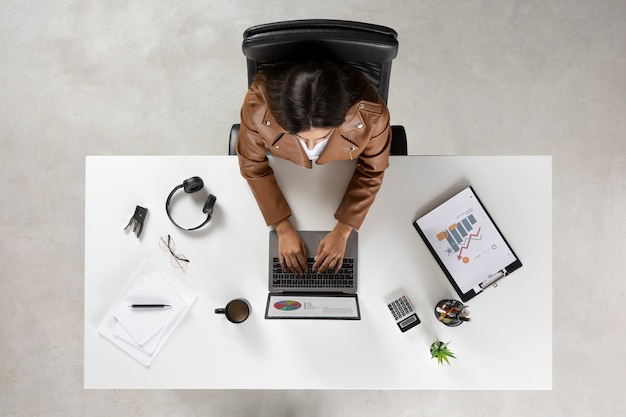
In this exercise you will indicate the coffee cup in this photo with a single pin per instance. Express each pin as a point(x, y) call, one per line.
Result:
point(236, 311)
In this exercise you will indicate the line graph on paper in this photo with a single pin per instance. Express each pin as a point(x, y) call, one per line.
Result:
point(459, 237)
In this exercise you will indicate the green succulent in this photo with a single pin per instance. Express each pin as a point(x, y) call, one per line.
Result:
point(440, 351)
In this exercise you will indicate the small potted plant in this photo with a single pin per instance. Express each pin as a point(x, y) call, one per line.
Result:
point(440, 351)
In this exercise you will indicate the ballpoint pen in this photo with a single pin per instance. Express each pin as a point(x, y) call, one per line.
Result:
point(150, 306)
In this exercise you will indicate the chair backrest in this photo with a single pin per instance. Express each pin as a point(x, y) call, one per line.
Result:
point(368, 47)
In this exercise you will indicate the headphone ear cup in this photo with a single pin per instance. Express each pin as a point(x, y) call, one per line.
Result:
point(193, 184)
point(208, 205)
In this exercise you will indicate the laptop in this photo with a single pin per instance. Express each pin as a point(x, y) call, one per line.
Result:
point(321, 295)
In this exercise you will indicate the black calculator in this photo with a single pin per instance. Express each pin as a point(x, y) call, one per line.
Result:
point(403, 312)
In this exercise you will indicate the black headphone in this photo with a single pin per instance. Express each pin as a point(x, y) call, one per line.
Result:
point(191, 185)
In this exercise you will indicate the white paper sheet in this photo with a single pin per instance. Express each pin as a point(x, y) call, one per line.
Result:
point(307, 306)
point(144, 323)
point(466, 240)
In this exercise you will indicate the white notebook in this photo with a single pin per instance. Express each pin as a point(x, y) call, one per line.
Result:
point(142, 332)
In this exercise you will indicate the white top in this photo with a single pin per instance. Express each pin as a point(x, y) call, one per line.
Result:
point(314, 153)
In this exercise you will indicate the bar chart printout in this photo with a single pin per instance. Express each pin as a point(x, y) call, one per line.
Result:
point(465, 239)
point(459, 236)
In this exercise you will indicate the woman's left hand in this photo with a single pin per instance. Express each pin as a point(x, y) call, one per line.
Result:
point(331, 249)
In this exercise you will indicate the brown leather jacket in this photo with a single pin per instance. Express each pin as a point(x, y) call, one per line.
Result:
point(365, 134)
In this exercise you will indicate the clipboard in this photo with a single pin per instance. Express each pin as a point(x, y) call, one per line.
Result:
point(467, 244)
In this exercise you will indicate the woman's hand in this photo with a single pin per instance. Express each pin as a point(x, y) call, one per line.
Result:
point(331, 249)
point(291, 248)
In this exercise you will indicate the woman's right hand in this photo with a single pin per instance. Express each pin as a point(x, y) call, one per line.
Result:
point(292, 251)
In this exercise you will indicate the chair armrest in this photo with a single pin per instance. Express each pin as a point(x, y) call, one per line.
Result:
point(398, 141)
point(232, 140)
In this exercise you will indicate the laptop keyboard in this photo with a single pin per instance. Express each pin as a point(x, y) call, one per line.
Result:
point(344, 278)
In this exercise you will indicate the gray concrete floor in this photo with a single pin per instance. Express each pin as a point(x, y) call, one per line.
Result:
point(154, 77)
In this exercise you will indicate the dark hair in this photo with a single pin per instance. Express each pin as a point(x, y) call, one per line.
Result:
point(311, 95)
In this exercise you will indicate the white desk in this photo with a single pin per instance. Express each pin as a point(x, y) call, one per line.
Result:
point(507, 345)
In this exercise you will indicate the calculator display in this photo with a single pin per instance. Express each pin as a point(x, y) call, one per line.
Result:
point(408, 321)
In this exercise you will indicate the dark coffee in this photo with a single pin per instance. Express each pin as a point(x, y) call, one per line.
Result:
point(237, 311)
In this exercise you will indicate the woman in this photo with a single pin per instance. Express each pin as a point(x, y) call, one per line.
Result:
point(318, 112)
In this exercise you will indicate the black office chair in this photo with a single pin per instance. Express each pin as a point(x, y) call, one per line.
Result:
point(368, 47)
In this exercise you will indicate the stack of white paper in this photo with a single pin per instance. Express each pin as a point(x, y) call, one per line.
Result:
point(141, 332)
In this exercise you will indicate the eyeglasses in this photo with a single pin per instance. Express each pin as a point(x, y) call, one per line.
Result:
point(178, 259)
